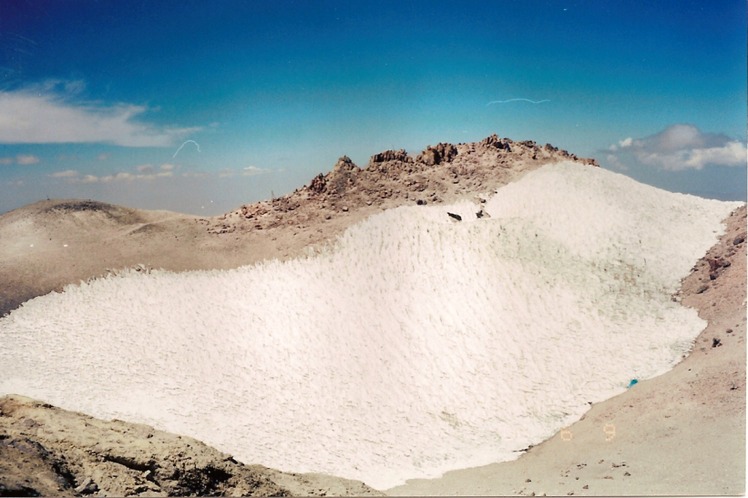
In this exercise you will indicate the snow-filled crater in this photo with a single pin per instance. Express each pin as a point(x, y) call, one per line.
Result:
point(414, 345)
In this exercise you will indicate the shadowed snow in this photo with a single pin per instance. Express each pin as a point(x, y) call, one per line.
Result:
point(414, 345)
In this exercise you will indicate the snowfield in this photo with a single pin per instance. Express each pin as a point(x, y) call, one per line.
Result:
point(414, 345)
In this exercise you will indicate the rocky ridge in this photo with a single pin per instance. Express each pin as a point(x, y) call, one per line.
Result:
point(439, 174)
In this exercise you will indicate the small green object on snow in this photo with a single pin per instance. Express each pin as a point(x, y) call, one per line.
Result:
point(633, 382)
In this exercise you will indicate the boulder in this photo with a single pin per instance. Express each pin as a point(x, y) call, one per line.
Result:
point(497, 143)
point(441, 153)
point(391, 155)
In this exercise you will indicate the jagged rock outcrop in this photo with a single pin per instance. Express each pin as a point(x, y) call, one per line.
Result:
point(391, 155)
point(318, 184)
point(342, 176)
point(440, 173)
point(441, 153)
point(497, 143)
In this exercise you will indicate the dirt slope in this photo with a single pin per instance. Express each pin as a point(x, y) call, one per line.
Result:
point(48, 451)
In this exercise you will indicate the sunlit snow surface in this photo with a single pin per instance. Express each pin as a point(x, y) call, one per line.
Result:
point(416, 345)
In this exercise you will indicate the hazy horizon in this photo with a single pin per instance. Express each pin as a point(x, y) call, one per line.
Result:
point(215, 205)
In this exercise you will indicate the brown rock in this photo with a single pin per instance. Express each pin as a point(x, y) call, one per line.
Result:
point(318, 184)
point(391, 155)
point(442, 153)
point(497, 143)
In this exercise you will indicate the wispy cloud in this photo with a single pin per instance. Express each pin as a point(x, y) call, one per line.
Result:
point(145, 168)
point(226, 173)
point(195, 174)
point(150, 172)
point(185, 143)
point(149, 168)
point(69, 87)
point(247, 171)
point(517, 100)
point(146, 172)
point(123, 176)
point(68, 173)
point(26, 159)
point(49, 113)
point(254, 171)
point(22, 159)
point(678, 147)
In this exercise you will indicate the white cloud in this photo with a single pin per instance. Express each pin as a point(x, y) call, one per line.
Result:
point(22, 159)
point(247, 171)
point(626, 142)
point(615, 162)
point(68, 173)
point(144, 172)
point(679, 147)
point(254, 170)
point(517, 100)
point(89, 179)
point(144, 168)
point(622, 144)
point(42, 115)
point(150, 172)
point(26, 159)
point(70, 87)
point(731, 154)
point(126, 176)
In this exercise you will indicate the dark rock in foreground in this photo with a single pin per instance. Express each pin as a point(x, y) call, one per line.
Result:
point(47, 451)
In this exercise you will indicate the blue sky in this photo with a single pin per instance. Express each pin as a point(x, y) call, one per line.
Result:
point(96, 97)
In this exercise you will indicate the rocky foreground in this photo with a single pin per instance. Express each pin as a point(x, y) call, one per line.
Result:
point(52, 452)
